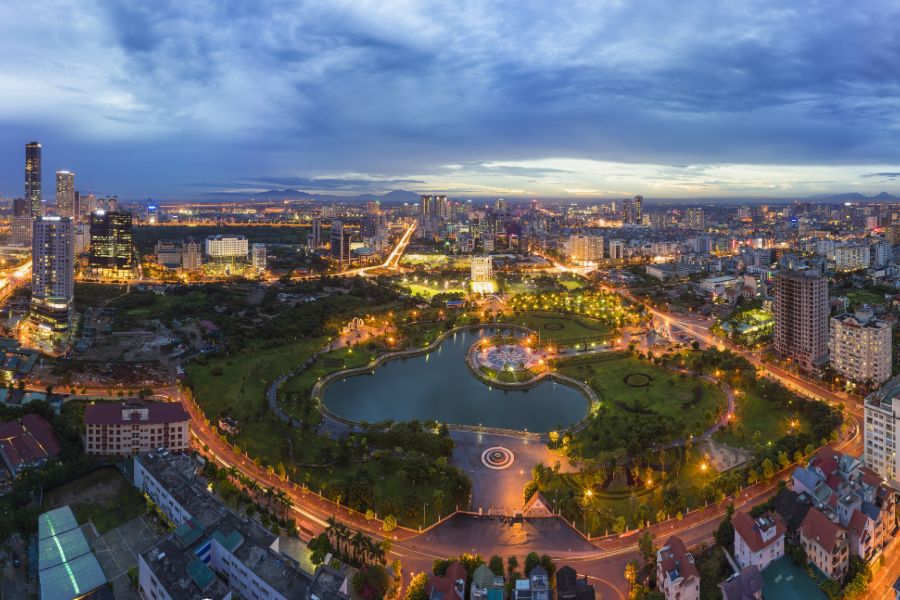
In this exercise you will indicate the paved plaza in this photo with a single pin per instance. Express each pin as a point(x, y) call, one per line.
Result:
point(118, 550)
point(500, 489)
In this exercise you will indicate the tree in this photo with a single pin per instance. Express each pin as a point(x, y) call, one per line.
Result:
point(390, 524)
point(496, 565)
point(282, 474)
point(319, 547)
point(631, 572)
point(645, 545)
point(531, 561)
point(768, 469)
point(416, 588)
point(724, 534)
point(512, 563)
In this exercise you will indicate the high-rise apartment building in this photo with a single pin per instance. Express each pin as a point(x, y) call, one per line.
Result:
point(637, 206)
point(695, 219)
point(585, 248)
point(426, 205)
point(112, 248)
point(801, 318)
point(340, 242)
point(191, 255)
point(258, 257)
point(52, 282)
point(33, 194)
point(616, 249)
point(882, 431)
point(316, 233)
point(65, 193)
point(860, 346)
point(21, 229)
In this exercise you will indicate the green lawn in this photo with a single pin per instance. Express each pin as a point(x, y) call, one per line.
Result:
point(559, 327)
point(427, 291)
point(755, 413)
point(235, 385)
point(864, 296)
point(670, 406)
point(102, 497)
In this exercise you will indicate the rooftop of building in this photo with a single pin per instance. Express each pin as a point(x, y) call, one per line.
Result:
point(27, 441)
point(66, 566)
point(211, 520)
point(760, 532)
point(883, 397)
point(132, 412)
point(675, 561)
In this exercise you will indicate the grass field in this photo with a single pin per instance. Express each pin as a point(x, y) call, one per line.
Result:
point(864, 296)
point(235, 385)
point(755, 413)
point(427, 291)
point(102, 497)
point(559, 327)
point(666, 406)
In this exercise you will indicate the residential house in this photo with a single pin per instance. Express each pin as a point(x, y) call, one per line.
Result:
point(570, 587)
point(758, 541)
point(486, 585)
point(676, 574)
point(826, 544)
point(452, 586)
point(745, 585)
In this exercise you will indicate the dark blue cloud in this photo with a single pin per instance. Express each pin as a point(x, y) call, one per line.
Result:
point(147, 98)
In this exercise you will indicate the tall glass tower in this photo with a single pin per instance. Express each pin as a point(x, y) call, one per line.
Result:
point(33, 178)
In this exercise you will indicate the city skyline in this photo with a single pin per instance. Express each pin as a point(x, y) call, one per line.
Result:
point(602, 101)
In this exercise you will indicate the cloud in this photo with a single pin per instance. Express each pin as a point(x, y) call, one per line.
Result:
point(145, 98)
point(885, 175)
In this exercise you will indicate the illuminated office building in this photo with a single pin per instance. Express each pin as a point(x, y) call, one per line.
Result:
point(33, 193)
point(112, 249)
point(65, 193)
point(52, 284)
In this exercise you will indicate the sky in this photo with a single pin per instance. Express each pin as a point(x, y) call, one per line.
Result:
point(179, 98)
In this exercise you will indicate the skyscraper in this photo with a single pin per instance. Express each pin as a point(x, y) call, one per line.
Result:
point(52, 281)
point(65, 193)
point(638, 207)
point(801, 318)
point(317, 233)
point(340, 242)
point(33, 178)
point(112, 251)
point(427, 205)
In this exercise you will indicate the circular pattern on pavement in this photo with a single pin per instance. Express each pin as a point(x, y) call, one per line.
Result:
point(497, 458)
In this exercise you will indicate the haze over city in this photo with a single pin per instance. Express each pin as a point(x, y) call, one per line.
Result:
point(576, 100)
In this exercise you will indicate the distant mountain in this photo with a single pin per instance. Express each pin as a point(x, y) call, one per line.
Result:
point(855, 197)
point(393, 197)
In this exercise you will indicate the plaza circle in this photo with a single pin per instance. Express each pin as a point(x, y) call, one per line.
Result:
point(506, 357)
point(497, 458)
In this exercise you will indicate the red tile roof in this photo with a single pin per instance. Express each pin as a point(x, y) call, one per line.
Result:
point(447, 583)
point(110, 413)
point(857, 523)
point(747, 527)
point(825, 459)
point(870, 477)
point(28, 440)
point(677, 553)
point(816, 526)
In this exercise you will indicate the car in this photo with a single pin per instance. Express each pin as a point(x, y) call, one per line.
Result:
point(17, 562)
